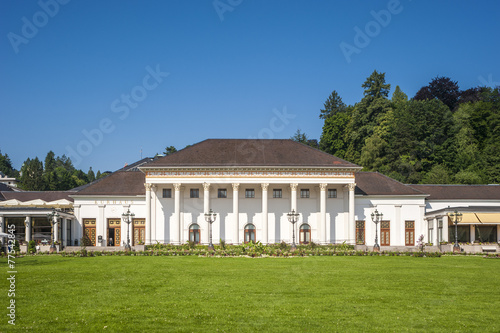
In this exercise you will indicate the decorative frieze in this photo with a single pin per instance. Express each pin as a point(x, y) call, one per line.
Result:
point(249, 174)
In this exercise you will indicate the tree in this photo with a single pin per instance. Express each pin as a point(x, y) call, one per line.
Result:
point(32, 175)
point(6, 166)
point(442, 88)
point(90, 175)
point(375, 85)
point(334, 139)
point(399, 97)
point(332, 106)
point(302, 138)
point(169, 150)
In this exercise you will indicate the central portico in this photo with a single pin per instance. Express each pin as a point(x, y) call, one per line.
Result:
point(251, 185)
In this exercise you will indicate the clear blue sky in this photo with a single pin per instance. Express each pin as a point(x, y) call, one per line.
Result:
point(239, 69)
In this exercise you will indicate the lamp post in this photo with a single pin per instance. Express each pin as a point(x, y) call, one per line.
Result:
point(52, 217)
point(293, 217)
point(126, 218)
point(210, 218)
point(456, 217)
point(376, 218)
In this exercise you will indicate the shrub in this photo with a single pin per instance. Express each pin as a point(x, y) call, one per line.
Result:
point(32, 247)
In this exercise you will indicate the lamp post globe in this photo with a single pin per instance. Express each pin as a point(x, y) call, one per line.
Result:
point(293, 217)
point(210, 218)
point(126, 218)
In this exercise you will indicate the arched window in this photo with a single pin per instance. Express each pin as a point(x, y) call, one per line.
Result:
point(249, 233)
point(305, 234)
point(194, 233)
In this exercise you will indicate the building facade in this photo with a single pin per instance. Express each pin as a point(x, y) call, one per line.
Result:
point(251, 186)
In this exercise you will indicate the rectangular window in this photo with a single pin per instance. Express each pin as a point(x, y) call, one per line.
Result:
point(68, 232)
point(385, 233)
point(360, 232)
point(410, 233)
point(463, 232)
point(277, 193)
point(222, 193)
point(304, 193)
point(486, 233)
point(194, 193)
point(249, 193)
point(440, 230)
point(167, 193)
point(332, 193)
point(430, 231)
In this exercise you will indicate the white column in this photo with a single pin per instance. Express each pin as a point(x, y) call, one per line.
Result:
point(206, 208)
point(104, 226)
point(294, 197)
point(148, 213)
point(322, 213)
point(445, 229)
point(236, 214)
point(472, 233)
point(78, 233)
point(56, 229)
point(352, 222)
point(177, 211)
point(397, 227)
point(154, 197)
point(264, 214)
point(2, 228)
point(206, 197)
point(27, 224)
point(64, 240)
point(422, 222)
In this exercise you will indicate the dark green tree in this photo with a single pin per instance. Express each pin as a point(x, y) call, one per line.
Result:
point(32, 175)
point(90, 175)
point(169, 150)
point(334, 139)
point(6, 166)
point(332, 106)
point(375, 86)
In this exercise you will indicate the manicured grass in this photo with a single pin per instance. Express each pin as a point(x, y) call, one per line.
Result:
point(306, 294)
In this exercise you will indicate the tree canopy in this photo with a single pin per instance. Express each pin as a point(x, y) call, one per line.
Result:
point(442, 135)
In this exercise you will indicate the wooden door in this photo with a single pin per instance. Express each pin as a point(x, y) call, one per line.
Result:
point(385, 233)
point(89, 231)
point(114, 232)
point(410, 233)
point(139, 232)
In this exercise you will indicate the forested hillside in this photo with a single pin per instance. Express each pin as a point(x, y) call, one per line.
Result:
point(54, 174)
point(440, 136)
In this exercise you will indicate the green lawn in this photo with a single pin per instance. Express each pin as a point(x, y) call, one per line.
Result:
point(305, 294)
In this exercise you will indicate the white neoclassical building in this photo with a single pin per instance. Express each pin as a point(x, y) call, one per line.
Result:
point(251, 185)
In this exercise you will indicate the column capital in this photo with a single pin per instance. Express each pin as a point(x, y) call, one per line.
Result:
point(148, 186)
point(264, 186)
point(322, 187)
point(294, 186)
point(235, 186)
point(177, 187)
point(206, 186)
point(351, 186)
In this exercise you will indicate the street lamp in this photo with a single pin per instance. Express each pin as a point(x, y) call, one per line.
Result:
point(376, 218)
point(457, 217)
point(210, 218)
point(293, 217)
point(126, 218)
point(52, 217)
